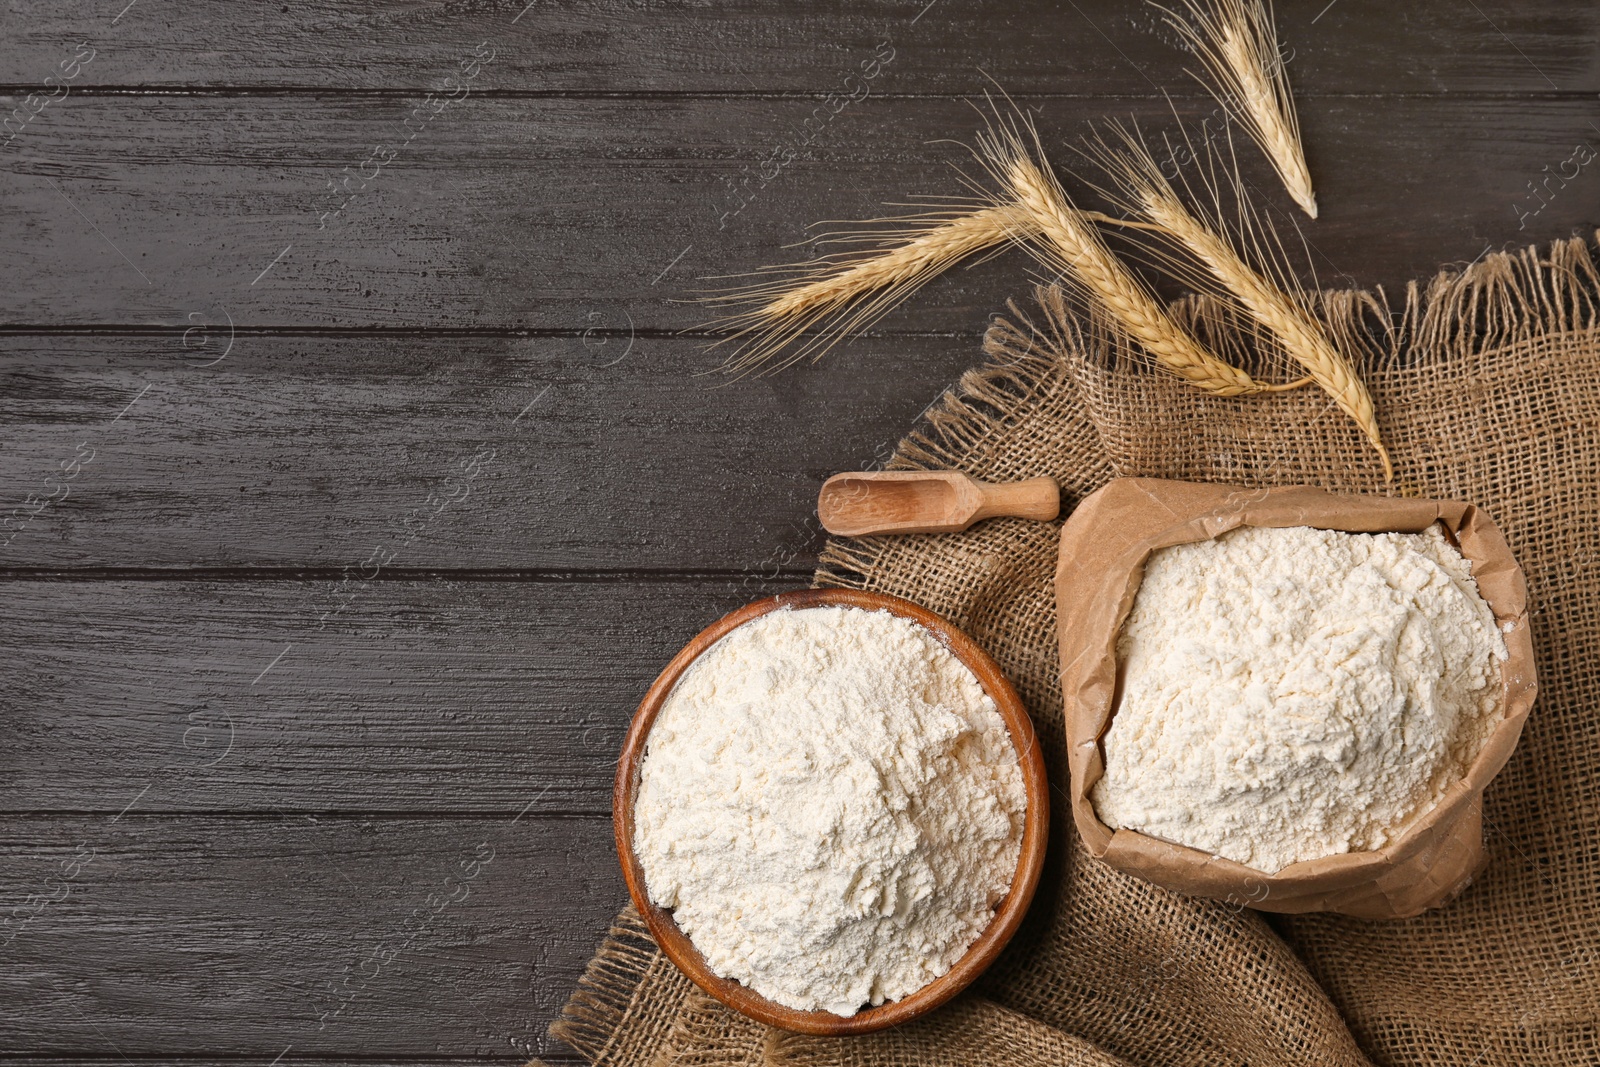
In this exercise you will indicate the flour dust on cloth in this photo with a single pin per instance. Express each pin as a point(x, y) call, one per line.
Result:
point(1487, 385)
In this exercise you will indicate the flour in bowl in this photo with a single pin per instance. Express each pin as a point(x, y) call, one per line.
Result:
point(831, 806)
point(1295, 693)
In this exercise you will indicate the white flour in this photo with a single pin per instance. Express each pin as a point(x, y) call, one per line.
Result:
point(831, 805)
point(1294, 693)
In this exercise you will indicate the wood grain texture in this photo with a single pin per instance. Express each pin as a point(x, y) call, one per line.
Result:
point(572, 215)
point(414, 696)
point(1351, 46)
point(151, 936)
point(604, 452)
point(873, 503)
point(401, 283)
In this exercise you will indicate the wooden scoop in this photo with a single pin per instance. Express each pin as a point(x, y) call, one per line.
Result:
point(856, 504)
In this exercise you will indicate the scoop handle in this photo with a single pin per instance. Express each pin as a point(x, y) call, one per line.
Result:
point(1033, 498)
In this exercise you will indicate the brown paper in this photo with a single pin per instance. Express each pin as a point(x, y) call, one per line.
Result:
point(1103, 551)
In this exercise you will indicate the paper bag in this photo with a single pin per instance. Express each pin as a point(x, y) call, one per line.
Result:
point(1103, 551)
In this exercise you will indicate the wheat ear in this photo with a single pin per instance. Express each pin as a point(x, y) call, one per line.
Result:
point(1071, 243)
point(1302, 337)
point(915, 260)
point(1238, 43)
point(846, 292)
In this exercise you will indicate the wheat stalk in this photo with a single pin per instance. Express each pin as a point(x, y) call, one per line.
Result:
point(1072, 244)
point(1238, 43)
point(845, 293)
point(1146, 189)
point(921, 257)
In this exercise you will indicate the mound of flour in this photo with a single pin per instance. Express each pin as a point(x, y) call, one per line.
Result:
point(832, 807)
point(1295, 693)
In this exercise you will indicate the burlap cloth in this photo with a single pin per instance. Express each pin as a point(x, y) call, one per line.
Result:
point(1487, 385)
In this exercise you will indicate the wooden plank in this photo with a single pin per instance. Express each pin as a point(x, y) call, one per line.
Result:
point(1353, 46)
point(549, 454)
point(293, 696)
point(568, 215)
point(366, 756)
point(244, 938)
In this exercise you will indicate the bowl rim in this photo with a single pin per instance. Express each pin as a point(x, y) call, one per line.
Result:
point(1009, 913)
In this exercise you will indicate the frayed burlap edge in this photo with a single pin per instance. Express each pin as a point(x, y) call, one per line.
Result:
point(1502, 300)
point(612, 992)
point(1505, 299)
point(1024, 362)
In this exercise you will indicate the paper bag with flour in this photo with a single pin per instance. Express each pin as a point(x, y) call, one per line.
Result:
point(1104, 547)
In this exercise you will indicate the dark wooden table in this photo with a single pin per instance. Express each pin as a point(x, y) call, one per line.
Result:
point(365, 475)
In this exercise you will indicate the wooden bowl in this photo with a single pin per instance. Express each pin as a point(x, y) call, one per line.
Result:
point(1008, 915)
